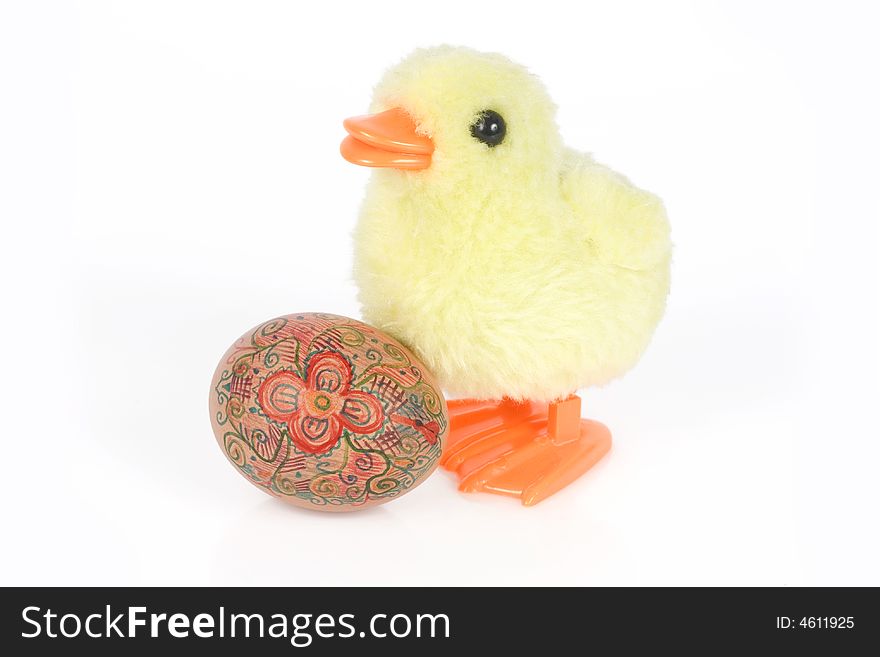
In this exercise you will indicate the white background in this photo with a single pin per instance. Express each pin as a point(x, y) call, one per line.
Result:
point(169, 177)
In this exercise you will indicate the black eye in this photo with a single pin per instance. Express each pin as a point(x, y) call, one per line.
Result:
point(490, 128)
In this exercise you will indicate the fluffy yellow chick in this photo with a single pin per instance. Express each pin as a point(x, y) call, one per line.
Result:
point(516, 268)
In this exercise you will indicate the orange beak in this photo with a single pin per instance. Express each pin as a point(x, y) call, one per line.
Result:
point(386, 139)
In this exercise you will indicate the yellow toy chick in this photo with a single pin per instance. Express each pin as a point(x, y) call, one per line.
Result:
point(517, 269)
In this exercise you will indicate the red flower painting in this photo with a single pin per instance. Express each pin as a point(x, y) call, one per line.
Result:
point(317, 409)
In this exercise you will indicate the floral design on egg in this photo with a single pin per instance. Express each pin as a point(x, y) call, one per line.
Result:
point(327, 412)
point(317, 409)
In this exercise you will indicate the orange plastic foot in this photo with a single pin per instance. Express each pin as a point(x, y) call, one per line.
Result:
point(528, 450)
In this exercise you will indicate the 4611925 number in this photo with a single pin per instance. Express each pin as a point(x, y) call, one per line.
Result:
point(815, 622)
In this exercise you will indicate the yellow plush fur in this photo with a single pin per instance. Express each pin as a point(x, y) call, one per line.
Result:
point(526, 270)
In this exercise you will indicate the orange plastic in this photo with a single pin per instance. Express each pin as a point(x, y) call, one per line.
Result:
point(528, 450)
point(386, 139)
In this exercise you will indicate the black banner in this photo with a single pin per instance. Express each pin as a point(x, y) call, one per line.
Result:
point(428, 621)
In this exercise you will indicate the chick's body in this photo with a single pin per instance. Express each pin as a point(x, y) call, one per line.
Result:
point(524, 270)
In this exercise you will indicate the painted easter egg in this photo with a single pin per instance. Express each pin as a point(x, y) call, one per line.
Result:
point(326, 412)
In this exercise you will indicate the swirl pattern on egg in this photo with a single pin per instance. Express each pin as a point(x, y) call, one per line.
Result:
point(327, 412)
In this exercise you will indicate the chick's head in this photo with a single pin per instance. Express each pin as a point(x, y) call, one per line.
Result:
point(476, 119)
